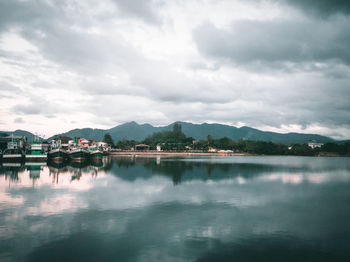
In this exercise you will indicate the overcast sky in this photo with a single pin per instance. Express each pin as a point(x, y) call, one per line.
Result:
point(280, 65)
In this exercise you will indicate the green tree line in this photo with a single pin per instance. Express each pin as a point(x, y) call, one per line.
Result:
point(177, 140)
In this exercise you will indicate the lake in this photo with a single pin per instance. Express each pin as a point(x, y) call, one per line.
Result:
point(177, 209)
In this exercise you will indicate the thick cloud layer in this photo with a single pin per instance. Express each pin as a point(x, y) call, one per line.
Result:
point(277, 43)
point(323, 7)
point(276, 65)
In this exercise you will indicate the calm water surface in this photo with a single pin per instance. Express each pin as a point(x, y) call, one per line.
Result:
point(178, 209)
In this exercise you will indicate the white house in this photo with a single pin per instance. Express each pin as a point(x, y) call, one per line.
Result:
point(313, 144)
point(104, 146)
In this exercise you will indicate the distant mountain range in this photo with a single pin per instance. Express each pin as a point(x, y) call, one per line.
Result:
point(134, 131)
point(29, 135)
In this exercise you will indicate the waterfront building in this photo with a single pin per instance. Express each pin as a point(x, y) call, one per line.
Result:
point(83, 142)
point(142, 147)
point(212, 150)
point(103, 146)
point(313, 144)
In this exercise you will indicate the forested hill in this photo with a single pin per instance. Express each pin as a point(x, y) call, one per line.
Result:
point(29, 135)
point(134, 131)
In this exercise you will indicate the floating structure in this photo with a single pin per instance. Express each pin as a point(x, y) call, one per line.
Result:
point(78, 154)
point(13, 155)
point(14, 151)
point(95, 154)
point(58, 155)
point(36, 151)
point(80, 151)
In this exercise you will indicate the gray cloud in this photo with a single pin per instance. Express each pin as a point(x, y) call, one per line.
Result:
point(322, 7)
point(5, 86)
point(38, 105)
point(19, 120)
point(53, 28)
point(316, 8)
point(20, 13)
point(31, 109)
point(272, 72)
point(276, 43)
point(145, 10)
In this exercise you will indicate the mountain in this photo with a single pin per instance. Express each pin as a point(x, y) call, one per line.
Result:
point(134, 131)
point(88, 133)
point(29, 135)
point(343, 141)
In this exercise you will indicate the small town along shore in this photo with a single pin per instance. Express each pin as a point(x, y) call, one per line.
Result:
point(171, 153)
point(186, 153)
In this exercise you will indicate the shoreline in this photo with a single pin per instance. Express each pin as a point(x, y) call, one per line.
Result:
point(168, 153)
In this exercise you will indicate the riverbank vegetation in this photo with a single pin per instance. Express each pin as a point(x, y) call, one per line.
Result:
point(176, 140)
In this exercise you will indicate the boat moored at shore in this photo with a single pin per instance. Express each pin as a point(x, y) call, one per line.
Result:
point(58, 155)
point(17, 149)
point(36, 153)
point(14, 151)
point(95, 154)
point(13, 155)
point(79, 154)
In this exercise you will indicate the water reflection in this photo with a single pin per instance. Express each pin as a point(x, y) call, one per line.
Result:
point(292, 169)
point(18, 173)
point(205, 209)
